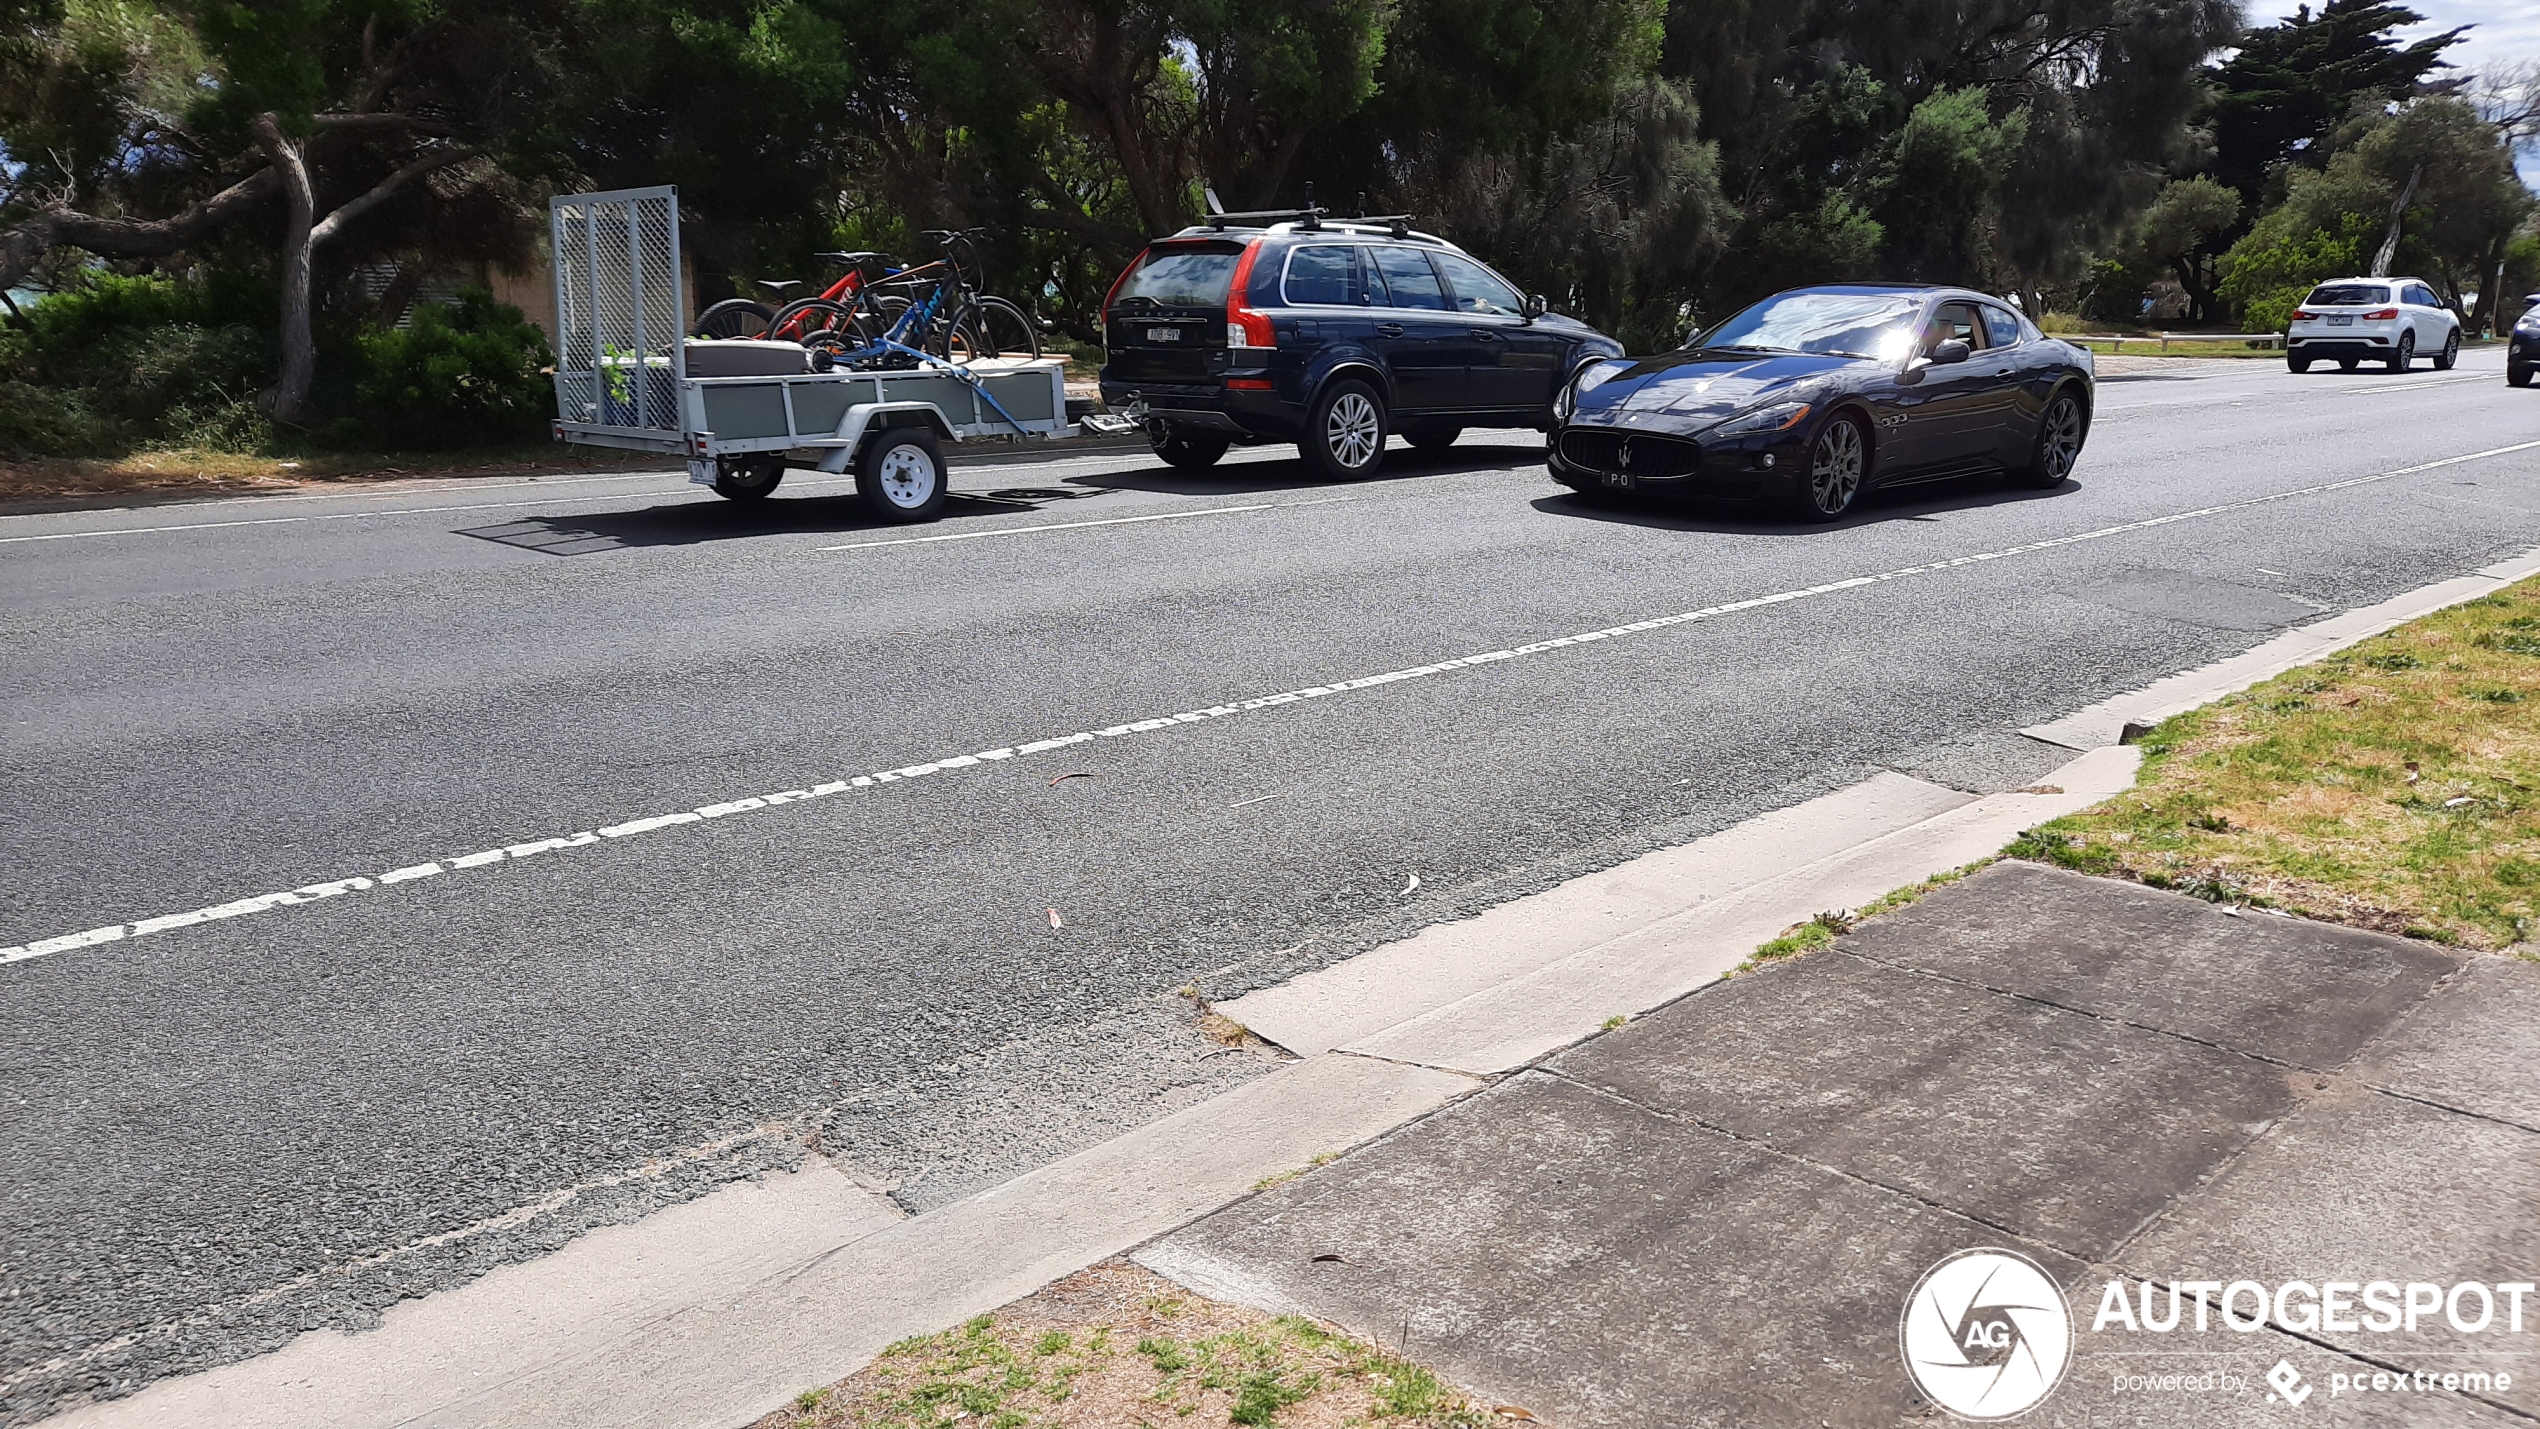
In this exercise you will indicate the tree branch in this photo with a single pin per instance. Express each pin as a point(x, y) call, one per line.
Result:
point(403, 123)
point(379, 193)
point(25, 243)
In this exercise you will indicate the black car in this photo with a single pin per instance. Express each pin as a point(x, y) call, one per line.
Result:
point(2522, 350)
point(1331, 334)
point(1813, 396)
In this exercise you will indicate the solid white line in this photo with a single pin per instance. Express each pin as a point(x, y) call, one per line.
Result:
point(338, 887)
point(1081, 525)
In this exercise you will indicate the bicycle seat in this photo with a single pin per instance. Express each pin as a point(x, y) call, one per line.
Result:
point(778, 286)
point(853, 260)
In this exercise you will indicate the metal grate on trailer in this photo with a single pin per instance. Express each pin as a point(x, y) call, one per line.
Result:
point(621, 314)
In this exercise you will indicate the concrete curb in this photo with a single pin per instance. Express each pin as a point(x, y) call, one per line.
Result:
point(720, 1310)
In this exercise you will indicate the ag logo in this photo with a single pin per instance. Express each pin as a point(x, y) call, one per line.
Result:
point(1986, 1334)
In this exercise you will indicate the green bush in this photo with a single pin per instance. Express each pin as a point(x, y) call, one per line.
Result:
point(122, 363)
point(464, 374)
point(2266, 275)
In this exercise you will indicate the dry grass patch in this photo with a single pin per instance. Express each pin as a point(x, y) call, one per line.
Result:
point(2389, 787)
point(197, 472)
point(1117, 1347)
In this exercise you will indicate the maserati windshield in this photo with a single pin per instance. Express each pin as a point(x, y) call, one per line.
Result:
point(1874, 325)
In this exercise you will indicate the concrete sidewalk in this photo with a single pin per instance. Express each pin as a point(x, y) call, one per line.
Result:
point(1717, 1214)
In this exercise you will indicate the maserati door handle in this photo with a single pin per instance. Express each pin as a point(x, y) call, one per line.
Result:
point(2005, 372)
point(1485, 334)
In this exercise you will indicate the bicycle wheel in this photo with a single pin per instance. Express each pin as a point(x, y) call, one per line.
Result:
point(962, 342)
point(733, 317)
point(804, 316)
point(1005, 329)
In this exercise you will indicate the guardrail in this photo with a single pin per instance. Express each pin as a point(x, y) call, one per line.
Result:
point(2271, 339)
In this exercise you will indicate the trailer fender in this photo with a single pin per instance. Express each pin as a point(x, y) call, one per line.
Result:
point(865, 417)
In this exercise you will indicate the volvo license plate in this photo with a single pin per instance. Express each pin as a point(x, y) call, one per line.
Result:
point(1164, 334)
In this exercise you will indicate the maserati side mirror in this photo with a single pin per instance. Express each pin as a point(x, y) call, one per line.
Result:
point(1954, 350)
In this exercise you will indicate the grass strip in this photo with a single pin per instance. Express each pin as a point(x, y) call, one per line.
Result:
point(1117, 1347)
point(2388, 787)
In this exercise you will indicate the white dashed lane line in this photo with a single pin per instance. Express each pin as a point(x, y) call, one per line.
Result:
point(334, 888)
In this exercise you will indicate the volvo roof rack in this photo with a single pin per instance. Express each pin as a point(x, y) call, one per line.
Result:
point(1310, 217)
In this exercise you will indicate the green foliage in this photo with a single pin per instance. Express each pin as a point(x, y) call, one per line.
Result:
point(455, 375)
point(2267, 274)
point(1940, 173)
point(125, 363)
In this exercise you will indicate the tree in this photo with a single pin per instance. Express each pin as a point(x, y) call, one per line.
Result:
point(337, 108)
point(1815, 100)
point(2178, 231)
point(2294, 82)
point(2444, 173)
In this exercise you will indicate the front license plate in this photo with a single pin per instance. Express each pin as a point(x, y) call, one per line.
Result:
point(1164, 334)
point(1618, 478)
point(2341, 319)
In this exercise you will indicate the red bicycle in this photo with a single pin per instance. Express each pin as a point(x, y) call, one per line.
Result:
point(798, 319)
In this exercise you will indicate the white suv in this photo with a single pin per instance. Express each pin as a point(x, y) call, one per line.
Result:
point(2390, 320)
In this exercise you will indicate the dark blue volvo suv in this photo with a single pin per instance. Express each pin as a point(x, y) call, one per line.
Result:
point(1330, 333)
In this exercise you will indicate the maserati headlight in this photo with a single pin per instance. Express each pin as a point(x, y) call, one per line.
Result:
point(1779, 417)
point(1591, 373)
point(2530, 322)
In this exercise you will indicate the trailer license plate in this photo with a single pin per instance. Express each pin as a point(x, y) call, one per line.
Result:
point(1164, 334)
point(701, 472)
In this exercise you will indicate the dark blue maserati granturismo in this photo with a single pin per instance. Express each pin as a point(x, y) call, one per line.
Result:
point(1814, 396)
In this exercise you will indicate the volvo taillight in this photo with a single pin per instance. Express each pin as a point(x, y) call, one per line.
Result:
point(1245, 327)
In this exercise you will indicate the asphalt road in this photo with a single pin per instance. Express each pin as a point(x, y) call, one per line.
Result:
point(216, 1135)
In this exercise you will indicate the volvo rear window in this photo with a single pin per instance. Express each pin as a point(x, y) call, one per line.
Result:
point(1179, 278)
point(2347, 295)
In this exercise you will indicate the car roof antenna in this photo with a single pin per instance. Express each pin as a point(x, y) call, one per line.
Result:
point(1216, 210)
point(1313, 216)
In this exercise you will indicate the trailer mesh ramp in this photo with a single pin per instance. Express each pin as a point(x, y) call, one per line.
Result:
point(619, 309)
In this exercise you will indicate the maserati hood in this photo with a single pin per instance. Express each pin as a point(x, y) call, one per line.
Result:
point(1700, 387)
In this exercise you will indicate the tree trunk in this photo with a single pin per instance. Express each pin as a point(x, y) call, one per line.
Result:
point(301, 235)
point(2390, 240)
point(2200, 292)
point(289, 397)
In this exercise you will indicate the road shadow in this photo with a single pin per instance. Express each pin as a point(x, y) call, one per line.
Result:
point(1257, 477)
point(1923, 501)
point(697, 523)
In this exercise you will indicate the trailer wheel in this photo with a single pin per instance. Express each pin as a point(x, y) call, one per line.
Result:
point(747, 478)
point(901, 474)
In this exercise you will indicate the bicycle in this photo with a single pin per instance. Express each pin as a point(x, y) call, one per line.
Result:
point(952, 321)
point(788, 322)
point(859, 324)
